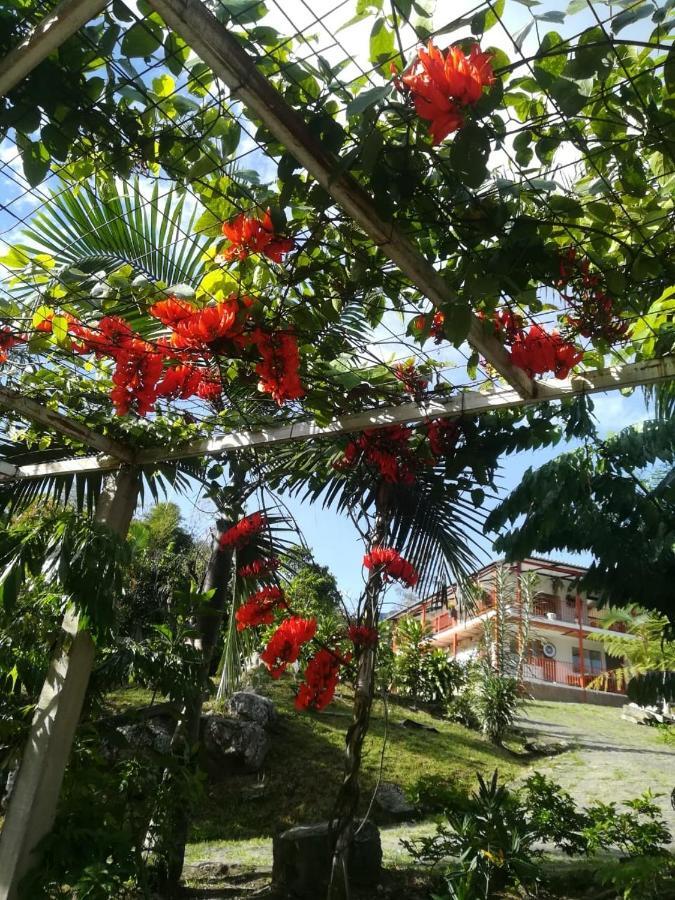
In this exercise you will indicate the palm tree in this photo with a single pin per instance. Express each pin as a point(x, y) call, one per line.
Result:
point(648, 656)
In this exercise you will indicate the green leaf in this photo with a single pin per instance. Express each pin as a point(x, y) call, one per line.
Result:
point(36, 160)
point(381, 42)
point(477, 497)
point(552, 16)
point(367, 99)
point(242, 11)
point(163, 85)
point(176, 53)
point(569, 207)
point(469, 154)
point(669, 70)
point(484, 20)
point(142, 39)
point(628, 16)
point(457, 323)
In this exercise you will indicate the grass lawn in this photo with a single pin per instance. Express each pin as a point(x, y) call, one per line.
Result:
point(304, 765)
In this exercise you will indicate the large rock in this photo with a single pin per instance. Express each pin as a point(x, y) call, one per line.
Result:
point(253, 708)
point(303, 857)
point(391, 800)
point(233, 745)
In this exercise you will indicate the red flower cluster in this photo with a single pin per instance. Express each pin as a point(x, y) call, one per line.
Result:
point(135, 378)
point(594, 315)
point(321, 678)
point(388, 449)
point(286, 642)
point(250, 235)
point(443, 435)
point(442, 85)
point(259, 567)
point(244, 531)
point(536, 352)
point(362, 636)
point(172, 311)
point(392, 565)
point(437, 326)
point(413, 383)
point(259, 608)
point(180, 382)
point(9, 339)
point(278, 370)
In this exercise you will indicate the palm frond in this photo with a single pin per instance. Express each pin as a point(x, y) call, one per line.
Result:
point(154, 234)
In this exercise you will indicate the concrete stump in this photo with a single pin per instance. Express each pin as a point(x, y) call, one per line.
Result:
point(303, 857)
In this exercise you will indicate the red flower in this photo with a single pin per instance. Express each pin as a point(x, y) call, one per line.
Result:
point(180, 382)
point(209, 389)
point(536, 352)
point(172, 311)
point(391, 564)
point(362, 636)
point(243, 532)
point(442, 85)
point(259, 608)
point(278, 370)
point(259, 567)
point(9, 339)
point(508, 325)
point(443, 435)
point(208, 326)
point(388, 449)
point(437, 329)
point(321, 678)
point(413, 383)
point(136, 374)
point(250, 235)
point(286, 642)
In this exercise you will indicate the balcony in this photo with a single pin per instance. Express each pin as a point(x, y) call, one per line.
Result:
point(564, 610)
point(540, 668)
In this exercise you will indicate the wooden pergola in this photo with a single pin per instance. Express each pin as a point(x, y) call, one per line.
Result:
point(33, 804)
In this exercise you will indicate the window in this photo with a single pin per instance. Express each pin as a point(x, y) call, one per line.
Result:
point(592, 661)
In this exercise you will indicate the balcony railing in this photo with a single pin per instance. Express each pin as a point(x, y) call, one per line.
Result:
point(540, 668)
point(553, 608)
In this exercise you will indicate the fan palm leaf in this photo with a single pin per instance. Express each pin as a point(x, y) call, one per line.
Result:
point(153, 233)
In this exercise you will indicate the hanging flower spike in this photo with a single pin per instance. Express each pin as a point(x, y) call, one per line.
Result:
point(392, 565)
point(362, 636)
point(209, 389)
point(259, 568)
point(321, 678)
point(260, 607)
point(278, 370)
point(442, 86)
point(248, 234)
point(437, 329)
point(135, 378)
point(443, 435)
point(537, 352)
point(508, 325)
point(244, 531)
point(388, 449)
point(172, 311)
point(286, 642)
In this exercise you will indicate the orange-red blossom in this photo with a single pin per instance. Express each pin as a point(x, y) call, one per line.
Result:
point(443, 84)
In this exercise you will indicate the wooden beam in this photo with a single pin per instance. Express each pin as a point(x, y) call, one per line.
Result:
point(465, 403)
point(30, 409)
point(223, 53)
point(32, 805)
point(61, 23)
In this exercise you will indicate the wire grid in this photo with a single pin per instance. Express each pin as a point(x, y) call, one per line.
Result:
point(387, 344)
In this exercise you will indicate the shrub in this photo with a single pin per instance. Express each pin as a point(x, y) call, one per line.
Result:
point(461, 709)
point(420, 671)
point(641, 831)
point(496, 705)
point(552, 812)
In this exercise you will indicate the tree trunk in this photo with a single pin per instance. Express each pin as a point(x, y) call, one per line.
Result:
point(171, 831)
point(347, 801)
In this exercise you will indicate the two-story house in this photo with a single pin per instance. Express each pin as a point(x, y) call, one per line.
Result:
point(561, 659)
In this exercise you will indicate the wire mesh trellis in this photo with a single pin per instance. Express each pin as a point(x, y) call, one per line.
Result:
point(202, 146)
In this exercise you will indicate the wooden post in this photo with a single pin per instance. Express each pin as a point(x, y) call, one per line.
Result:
point(424, 613)
point(32, 806)
point(454, 646)
point(582, 667)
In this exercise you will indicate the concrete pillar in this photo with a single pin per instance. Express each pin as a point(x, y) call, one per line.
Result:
point(32, 807)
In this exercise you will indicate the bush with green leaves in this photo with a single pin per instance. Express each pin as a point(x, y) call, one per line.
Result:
point(492, 843)
point(553, 813)
point(496, 700)
point(425, 673)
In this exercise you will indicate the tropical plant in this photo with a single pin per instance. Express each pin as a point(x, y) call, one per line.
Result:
point(598, 502)
point(648, 655)
point(496, 701)
point(421, 671)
